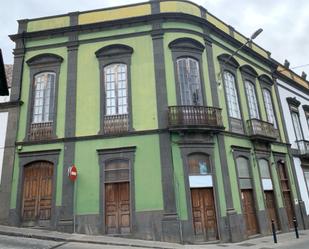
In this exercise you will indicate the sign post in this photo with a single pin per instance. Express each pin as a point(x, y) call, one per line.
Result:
point(72, 174)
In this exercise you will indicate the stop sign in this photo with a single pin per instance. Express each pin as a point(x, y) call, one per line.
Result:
point(72, 172)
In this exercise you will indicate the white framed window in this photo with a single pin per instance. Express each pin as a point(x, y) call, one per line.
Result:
point(269, 107)
point(190, 82)
point(244, 177)
point(252, 100)
point(297, 126)
point(306, 175)
point(116, 92)
point(44, 97)
point(231, 95)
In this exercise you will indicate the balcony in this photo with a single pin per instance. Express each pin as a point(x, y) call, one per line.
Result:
point(262, 131)
point(303, 148)
point(41, 131)
point(116, 124)
point(195, 118)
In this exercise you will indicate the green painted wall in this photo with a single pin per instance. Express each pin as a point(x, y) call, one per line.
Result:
point(146, 167)
point(113, 32)
point(61, 92)
point(143, 98)
point(182, 25)
point(48, 41)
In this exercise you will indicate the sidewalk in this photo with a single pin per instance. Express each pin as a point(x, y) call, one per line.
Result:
point(286, 239)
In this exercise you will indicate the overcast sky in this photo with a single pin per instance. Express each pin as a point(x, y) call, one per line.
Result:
point(285, 23)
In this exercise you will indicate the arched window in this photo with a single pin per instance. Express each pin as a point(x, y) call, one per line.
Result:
point(242, 164)
point(269, 107)
point(44, 97)
point(199, 164)
point(116, 96)
point(231, 94)
point(190, 83)
point(252, 101)
point(265, 174)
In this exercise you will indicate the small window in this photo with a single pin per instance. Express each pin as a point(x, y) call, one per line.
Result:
point(231, 94)
point(252, 101)
point(117, 171)
point(190, 82)
point(306, 175)
point(243, 173)
point(44, 96)
point(269, 107)
point(264, 169)
point(116, 101)
point(199, 164)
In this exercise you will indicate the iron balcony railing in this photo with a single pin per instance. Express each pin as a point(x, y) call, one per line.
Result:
point(263, 130)
point(116, 124)
point(41, 131)
point(303, 147)
point(190, 117)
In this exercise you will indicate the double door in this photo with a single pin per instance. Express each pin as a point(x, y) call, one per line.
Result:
point(37, 193)
point(117, 208)
point(271, 209)
point(204, 214)
point(249, 211)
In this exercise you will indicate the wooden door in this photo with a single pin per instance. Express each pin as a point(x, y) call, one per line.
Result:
point(286, 193)
point(204, 214)
point(37, 192)
point(249, 211)
point(117, 208)
point(271, 209)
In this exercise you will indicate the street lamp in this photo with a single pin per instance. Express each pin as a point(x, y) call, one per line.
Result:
point(252, 37)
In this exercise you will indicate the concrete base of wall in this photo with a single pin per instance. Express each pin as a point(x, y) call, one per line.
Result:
point(236, 226)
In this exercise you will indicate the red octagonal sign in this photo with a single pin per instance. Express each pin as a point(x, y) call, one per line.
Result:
point(72, 173)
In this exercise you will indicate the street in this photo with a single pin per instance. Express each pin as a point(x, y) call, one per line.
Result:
point(14, 242)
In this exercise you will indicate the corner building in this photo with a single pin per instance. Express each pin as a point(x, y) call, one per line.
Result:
point(172, 140)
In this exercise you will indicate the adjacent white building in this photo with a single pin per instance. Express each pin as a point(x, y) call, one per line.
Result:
point(294, 96)
point(4, 115)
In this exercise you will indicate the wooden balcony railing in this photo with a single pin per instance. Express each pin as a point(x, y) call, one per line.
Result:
point(303, 148)
point(195, 117)
point(262, 130)
point(116, 124)
point(41, 131)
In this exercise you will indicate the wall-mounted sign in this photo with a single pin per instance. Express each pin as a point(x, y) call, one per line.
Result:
point(72, 173)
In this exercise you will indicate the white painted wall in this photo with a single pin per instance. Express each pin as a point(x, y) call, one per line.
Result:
point(285, 91)
point(304, 100)
point(3, 127)
point(301, 183)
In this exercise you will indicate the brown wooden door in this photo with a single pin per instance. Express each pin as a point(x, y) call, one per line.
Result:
point(37, 192)
point(271, 209)
point(204, 214)
point(249, 211)
point(117, 208)
point(286, 193)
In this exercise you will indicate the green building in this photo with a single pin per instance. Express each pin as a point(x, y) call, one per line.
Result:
point(172, 138)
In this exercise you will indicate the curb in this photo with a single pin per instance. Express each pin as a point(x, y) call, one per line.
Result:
point(85, 241)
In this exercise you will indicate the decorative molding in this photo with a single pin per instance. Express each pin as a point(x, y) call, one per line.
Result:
point(186, 44)
point(43, 59)
point(266, 79)
point(248, 70)
point(293, 101)
point(226, 59)
point(114, 50)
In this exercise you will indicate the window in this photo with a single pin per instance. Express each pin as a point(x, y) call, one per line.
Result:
point(265, 174)
point(115, 63)
point(199, 164)
point(297, 126)
point(42, 108)
point(269, 107)
point(117, 171)
point(116, 89)
point(190, 83)
point(44, 97)
point(242, 164)
point(252, 101)
point(231, 94)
